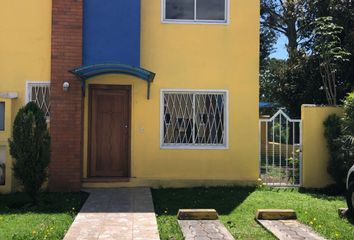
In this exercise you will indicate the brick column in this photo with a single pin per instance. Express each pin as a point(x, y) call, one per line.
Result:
point(66, 123)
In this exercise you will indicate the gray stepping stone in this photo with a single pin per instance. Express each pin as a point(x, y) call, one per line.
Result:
point(289, 230)
point(204, 230)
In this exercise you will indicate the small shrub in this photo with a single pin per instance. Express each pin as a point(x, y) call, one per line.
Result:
point(30, 147)
point(348, 129)
point(339, 134)
point(333, 133)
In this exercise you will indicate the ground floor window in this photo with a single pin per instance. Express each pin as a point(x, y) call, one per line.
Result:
point(39, 92)
point(193, 119)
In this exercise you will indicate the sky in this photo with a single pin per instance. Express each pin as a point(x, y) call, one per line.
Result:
point(280, 49)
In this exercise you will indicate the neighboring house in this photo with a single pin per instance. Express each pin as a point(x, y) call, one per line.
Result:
point(137, 93)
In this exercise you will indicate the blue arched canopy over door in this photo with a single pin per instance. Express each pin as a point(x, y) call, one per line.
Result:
point(87, 71)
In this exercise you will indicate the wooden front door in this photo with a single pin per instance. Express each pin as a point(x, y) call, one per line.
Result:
point(109, 131)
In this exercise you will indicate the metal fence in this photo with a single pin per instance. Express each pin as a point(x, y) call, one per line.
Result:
point(280, 150)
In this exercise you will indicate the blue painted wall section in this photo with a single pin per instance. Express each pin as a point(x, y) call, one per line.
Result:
point(111, 32)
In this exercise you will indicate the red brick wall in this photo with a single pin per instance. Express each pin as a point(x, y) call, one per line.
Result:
point(66, 107)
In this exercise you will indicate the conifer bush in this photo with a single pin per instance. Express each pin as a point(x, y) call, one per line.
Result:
point(30, 147)
point(339, 133)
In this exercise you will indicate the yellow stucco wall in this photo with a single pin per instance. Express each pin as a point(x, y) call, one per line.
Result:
point(25, 30)
point(195, 56)
point(184, 56)
point(315, 153)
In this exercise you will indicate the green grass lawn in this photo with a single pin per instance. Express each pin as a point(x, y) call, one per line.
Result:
point(50, 219)
point(237, 207)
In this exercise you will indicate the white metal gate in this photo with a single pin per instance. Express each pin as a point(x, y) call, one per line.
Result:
point(280, 150)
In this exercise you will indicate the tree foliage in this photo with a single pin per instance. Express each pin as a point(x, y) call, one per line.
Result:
point(327, 46)
point(290, 18)
point(30, 147)
point(268, 39)
point(348, 123)
point(299, 80)
point(291, 85)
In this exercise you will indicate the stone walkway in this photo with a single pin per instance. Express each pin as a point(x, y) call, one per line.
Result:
point(204, 230)
point(124, 214)
point(290, 230)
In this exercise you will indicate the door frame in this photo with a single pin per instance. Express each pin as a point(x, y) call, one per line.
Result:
point(92, 87)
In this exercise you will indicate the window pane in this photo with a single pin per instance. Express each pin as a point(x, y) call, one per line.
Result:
point(2, 116)
point(211, 10)
point(178, 118)
point(179, 9)
point(209, 112)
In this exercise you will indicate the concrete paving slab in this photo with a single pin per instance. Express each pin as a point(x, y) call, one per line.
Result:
point(122, 213)
point(204, 230)
point(290, 230)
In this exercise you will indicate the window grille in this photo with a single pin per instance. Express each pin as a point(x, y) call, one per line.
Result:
point(39, 93)
point(194, 118)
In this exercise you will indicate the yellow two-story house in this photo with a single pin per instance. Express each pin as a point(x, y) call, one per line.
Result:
point(136, 92)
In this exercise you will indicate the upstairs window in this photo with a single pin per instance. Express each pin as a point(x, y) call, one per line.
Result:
point(195, 11)
point(39, 92)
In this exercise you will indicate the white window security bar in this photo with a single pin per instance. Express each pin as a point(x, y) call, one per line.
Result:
point(39, 92)
point(193, 119)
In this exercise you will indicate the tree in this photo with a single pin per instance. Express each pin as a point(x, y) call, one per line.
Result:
point(294, 82)
point(30, 147)
point(291, 85)
point(327, 46)
point(300, 79)
point(271, 80)
point(268, 39)
point(290, 18)
point(342, 12)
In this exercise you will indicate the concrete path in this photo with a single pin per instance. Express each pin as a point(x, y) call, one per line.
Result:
point(290, 230)
point(204, 230)
point(123, 213)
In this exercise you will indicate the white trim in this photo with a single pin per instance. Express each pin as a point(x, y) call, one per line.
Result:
point(189, 90)
point(195, 21)
point(29, 83)
point(195, 146)
point(10, 95)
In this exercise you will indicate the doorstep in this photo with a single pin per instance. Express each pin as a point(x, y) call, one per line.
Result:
point(110, 182)
point(105, 179)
